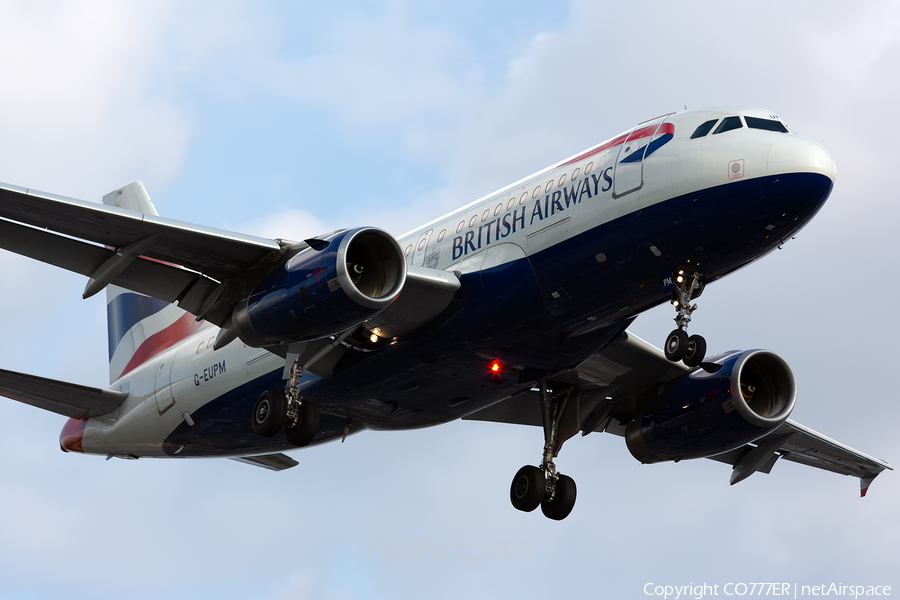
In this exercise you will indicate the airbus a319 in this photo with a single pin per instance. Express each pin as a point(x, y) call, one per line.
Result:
point(513, 309)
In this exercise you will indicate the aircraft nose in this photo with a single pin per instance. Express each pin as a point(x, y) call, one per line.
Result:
point(795, 154)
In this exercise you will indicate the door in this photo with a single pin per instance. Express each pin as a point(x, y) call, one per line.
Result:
point(164, 397)
point(422, 248)
point(628, 175)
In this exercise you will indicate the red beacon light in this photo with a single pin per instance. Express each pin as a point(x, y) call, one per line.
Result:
point(495, 367)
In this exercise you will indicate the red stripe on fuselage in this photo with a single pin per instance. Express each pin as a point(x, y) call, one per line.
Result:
point(637, 134)
point(163, 340)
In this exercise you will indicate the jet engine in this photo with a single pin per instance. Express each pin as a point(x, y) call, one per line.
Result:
point(336, 283)
point(723, 405)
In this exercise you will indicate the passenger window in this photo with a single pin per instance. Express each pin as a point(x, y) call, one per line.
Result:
point(509, 204)
point(766, 124)
point(485, 216)
point(704, 129)
point(562, 180)
point(523, 198)
point(472, 220)
point(536, 191)
point(422, 244)
point(575, 173)
point(200, 347)
point(727, 124)
point(588, 168)
point(460, 226)
point(549, 185)
point(498, 209)
point(408, 250)
point(441, 234)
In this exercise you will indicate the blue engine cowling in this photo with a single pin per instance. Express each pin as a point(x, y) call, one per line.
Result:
point(337, 283)
point(710, 411)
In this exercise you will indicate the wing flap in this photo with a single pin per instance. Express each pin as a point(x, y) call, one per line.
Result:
point(68, 399)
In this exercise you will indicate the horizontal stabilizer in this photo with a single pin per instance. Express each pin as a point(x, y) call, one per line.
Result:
point(273, 462)
point(68, 399)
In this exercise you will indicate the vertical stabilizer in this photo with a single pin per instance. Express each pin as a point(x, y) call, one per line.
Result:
point(139, 327)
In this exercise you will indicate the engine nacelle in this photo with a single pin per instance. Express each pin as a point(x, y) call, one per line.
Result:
point(338, 283)
point(707, 413)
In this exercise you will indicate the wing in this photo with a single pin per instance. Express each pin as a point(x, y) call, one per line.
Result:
point(69, 399)
point(797, 443)
point(205, 270)
point(201, 268)
point(610, 381)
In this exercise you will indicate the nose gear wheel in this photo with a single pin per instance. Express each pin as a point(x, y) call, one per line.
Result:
point(679, 346)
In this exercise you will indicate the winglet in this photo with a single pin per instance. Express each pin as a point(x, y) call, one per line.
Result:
point(864, 483)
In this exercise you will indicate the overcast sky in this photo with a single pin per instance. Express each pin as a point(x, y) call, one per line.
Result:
point(290, 119)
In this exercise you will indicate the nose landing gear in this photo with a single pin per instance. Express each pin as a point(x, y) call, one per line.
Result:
point(543, 486)
point(679, 346)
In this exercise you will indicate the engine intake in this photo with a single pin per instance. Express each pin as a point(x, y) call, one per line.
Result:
point(337, 283)
point(707, 413)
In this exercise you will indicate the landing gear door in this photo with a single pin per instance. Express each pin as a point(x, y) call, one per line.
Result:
point(629, 172)
point(421, 255)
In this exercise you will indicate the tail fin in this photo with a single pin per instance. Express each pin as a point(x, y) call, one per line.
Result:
point(139, 327)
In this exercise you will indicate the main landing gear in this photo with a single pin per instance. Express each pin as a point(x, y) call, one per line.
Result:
point(679, 346)
point(274, 410)
point(543, 486)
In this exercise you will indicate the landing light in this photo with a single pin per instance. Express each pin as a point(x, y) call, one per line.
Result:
point(373, 338)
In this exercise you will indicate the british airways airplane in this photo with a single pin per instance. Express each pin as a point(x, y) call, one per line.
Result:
point(512, 309)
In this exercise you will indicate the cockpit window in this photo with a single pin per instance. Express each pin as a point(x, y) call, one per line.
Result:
point(703, 129)
point(727, 124)
point(768, 125)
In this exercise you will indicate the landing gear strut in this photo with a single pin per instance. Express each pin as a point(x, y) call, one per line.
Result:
point(543, 486)
point(679, 346)
point(274, 410)
point(302, 416)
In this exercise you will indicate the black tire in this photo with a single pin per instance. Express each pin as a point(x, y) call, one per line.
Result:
point(563, 502)
point(695, 351)
point(527, 489)
point(676, 345)
point(306, 428)
point(268, 413)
